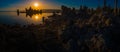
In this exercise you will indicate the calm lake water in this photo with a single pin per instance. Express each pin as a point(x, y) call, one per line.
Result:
point(12, 18)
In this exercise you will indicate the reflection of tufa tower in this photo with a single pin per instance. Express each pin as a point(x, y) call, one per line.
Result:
point(115, 9)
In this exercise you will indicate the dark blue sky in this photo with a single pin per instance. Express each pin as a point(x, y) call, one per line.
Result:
point(13, 4)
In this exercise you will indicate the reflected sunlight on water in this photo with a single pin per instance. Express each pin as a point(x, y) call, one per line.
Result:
point(36, 17)
point(12, 18)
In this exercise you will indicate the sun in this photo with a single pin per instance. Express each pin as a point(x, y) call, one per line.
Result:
point(36, 4)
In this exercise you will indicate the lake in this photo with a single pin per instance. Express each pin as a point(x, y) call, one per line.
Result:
point(12, 18)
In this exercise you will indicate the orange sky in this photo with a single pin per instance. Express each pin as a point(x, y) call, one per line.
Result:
point(42, 5)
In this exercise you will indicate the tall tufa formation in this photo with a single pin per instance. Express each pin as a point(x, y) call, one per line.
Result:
point(115, 9)
point(104, 3)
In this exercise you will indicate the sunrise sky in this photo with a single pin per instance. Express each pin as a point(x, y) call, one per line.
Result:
point(12, 5)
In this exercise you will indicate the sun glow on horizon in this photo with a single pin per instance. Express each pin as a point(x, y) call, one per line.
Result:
point(36, 4)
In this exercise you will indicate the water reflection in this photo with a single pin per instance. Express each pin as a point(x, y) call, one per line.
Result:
point(12, 18)
point(36, 17)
